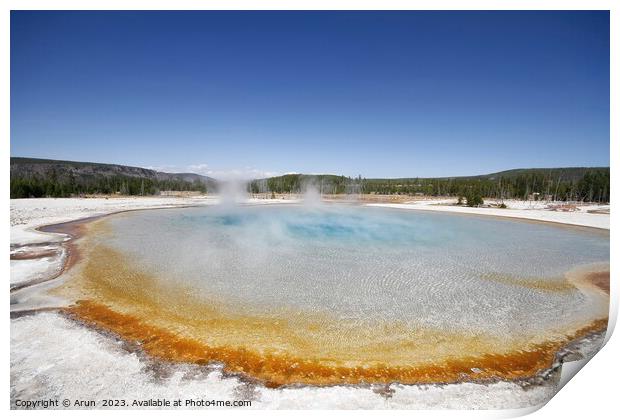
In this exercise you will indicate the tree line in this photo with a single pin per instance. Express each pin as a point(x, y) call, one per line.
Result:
point(568, 184)
point(68, 186)
point(582, 184)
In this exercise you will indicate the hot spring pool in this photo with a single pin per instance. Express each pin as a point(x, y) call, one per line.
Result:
point(341, 294)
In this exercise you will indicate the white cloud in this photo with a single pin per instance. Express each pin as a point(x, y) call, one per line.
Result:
point(247, 172)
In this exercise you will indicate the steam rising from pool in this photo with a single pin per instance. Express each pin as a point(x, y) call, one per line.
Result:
point(312, 196)
point(234, 191)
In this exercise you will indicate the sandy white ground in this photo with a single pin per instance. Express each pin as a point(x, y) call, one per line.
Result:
point(24, 271)
point(42, 366)
point(531, 210)
point(101, 369)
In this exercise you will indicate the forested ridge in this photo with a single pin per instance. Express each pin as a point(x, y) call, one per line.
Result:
point(56, 178)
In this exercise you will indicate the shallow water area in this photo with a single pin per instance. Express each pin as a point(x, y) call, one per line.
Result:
point(340, 294)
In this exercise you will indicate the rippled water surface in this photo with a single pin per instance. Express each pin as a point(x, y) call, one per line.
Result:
point(356, 263)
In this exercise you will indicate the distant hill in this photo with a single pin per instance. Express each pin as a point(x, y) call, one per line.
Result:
point(574, 183)
point(568, 173)
point(59, 178)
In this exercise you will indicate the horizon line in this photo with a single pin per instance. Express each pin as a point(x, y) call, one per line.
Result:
point(320, 174)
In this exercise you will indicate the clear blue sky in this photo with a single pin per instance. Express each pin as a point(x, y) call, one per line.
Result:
point(382, 94)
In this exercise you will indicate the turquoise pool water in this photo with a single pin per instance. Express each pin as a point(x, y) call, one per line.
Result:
point(361, 264)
